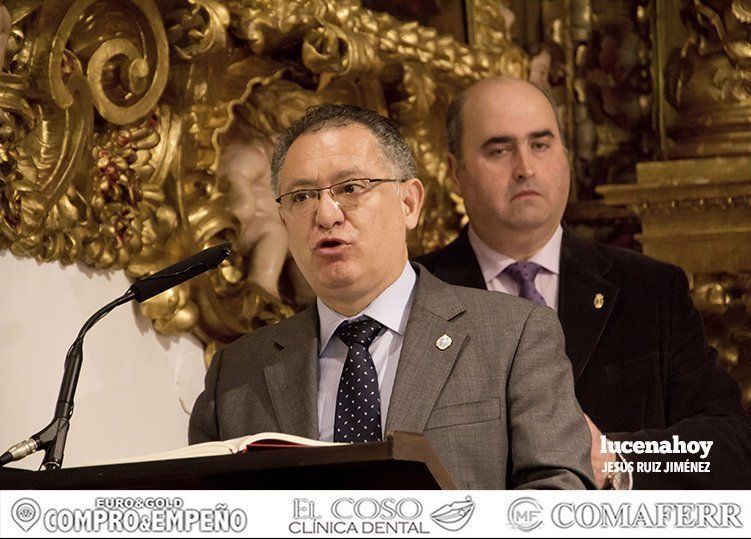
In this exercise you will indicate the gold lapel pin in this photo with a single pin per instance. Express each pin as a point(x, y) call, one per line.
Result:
point(599, 301)
point(443, 342)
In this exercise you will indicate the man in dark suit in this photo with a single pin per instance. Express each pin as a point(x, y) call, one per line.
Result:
point(642, 367)
point(387, 346)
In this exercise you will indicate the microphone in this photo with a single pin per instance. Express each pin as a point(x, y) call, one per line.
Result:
point(52, 438)
point(179, 272)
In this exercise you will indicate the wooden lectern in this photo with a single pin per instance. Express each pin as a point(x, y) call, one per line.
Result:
point(403, 461)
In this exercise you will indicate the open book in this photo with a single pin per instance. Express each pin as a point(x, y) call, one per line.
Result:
point(256, 442)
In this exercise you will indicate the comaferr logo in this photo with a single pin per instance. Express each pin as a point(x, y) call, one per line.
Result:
point(590, 515)
point(454, 516)
point(525, 514)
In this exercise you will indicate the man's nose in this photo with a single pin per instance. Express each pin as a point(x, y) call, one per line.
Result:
point(523, 165)
point(328, 213)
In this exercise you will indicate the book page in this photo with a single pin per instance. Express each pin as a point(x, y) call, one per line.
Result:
point(262, 440)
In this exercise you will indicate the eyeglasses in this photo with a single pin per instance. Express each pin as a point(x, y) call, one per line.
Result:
point(346, 194)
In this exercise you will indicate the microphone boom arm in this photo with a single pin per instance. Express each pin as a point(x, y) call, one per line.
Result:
point(52, 438)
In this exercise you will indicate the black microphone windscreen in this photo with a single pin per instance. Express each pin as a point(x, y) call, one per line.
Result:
point(180, 272)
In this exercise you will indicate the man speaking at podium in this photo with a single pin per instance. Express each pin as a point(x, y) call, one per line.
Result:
point(388, 347)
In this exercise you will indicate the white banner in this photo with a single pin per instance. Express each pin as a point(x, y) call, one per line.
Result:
point(373, 513)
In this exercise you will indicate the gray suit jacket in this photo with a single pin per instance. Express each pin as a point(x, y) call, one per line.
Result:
point(498, 405)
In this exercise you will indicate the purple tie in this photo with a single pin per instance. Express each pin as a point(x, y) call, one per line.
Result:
point(524, 273)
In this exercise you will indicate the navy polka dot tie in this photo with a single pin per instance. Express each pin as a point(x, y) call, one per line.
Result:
point(358, 401)
point(524, 273)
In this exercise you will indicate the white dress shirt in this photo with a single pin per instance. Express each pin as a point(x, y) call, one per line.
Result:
point(391, 308)
point(492, 263)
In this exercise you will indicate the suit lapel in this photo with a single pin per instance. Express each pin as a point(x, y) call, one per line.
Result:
point(458, 263)
point(292, 378)
point(581, 280)
point(582, 272)
point(423, 367)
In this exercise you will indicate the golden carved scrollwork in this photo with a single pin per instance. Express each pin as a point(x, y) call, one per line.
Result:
point(695, 208)
point(196, 28)
point(725, 302)
point(126, 72)
point(708, 81)
point(45, 145)
point(22, 204)
point(124, 123)
point(490, 29)
point(598, 66)
point(119, 118)
point(126, 197)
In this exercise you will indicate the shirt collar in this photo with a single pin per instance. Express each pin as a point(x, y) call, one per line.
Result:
point(492, 263)
point(391, 308)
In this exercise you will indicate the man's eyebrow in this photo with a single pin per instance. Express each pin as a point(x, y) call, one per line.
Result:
point(507, 139)
point(302, 183)
point(346, 174)
point(541, 134)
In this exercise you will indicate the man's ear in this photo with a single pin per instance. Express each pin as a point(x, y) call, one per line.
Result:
point(413, 196)
point(453, 170)
point(281, 215)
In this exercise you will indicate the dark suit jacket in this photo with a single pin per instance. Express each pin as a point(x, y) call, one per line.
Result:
point(642, 367)
point(483, 403)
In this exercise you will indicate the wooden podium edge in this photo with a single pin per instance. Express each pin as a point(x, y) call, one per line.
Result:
point(411, 446)
point(398, 446)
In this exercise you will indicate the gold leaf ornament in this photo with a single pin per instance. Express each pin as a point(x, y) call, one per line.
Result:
point(330, 48)
point(127, 75)
point(198, 30)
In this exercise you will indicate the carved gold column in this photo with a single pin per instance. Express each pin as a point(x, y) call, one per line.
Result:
point(695, 206)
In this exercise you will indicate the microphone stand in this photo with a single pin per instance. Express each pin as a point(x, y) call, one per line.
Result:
point(52, 438)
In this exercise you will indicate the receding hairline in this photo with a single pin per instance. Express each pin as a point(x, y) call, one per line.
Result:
point(461, 99)
point(503, 81)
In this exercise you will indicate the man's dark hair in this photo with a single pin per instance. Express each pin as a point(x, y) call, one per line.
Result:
point(328, 115)
point(455, 119)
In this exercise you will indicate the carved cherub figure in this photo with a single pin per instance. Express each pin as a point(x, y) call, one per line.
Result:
point(245, 166)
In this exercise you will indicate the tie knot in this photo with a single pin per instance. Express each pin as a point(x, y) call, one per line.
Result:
point(361, 331)
point(523, 272)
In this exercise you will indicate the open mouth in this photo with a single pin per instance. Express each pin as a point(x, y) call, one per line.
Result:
point(330, 246)
point(330, 243)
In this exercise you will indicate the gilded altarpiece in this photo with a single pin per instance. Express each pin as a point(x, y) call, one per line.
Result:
point(694, 200)
point(136, 132)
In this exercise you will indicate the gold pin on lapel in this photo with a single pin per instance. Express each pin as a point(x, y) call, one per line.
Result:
point(443, 342)
point(599, 301)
